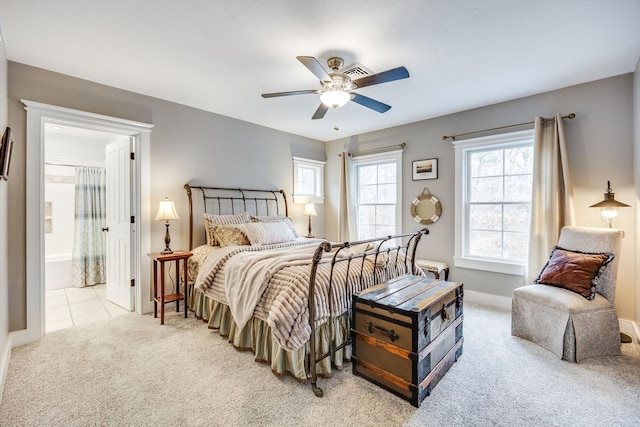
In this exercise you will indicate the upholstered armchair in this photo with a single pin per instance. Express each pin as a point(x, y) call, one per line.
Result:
point(566, 322)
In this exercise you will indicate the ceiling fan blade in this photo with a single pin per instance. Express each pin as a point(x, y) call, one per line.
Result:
point(383, 77)
point(293, 92)
point(320, 112)
point(370, 103)
point(315, 67)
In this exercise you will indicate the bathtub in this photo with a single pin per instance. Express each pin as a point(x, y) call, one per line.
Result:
point(57, 271)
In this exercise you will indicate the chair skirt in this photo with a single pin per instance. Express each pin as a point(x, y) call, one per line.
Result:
point(565, 323)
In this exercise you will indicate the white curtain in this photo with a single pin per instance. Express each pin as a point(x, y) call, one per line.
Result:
point(88, 255)
point(346, 224)
point(552, 195)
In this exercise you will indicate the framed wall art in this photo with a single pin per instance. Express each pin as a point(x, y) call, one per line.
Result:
point(6, 145)
point(425, 169)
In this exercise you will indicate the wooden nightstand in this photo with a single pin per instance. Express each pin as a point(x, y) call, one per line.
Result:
point(159, 258)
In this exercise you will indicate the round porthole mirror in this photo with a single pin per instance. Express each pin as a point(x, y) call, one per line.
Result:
point(426, 208)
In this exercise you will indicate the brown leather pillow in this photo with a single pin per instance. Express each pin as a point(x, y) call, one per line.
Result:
point(576, 271)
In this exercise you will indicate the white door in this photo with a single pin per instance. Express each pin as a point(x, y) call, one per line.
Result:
point(120, 288)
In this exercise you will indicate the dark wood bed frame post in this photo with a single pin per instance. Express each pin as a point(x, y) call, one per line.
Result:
point(187, 187)
point(313, 375)
point(286, 205)
point(422, 232)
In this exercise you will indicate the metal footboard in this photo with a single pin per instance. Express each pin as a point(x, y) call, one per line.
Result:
point(381, 246)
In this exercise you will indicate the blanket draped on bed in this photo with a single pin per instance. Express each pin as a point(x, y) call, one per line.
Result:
point(275, 290)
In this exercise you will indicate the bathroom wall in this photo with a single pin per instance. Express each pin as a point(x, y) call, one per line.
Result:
point(59, 200)
point(65, 148)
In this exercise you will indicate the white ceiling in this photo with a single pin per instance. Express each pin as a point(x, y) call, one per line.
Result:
point(220, 55)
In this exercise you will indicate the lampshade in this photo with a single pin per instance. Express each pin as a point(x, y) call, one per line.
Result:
point(334, 97)
point(609, 206)
point(167, 211)
point(310, 209)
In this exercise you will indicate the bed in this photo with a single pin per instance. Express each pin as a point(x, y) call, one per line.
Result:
point(283, 297)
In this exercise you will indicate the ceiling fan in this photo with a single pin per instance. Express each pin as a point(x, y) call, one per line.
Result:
point(338, 86)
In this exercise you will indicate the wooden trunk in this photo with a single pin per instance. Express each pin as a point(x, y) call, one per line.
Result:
point(407, 333)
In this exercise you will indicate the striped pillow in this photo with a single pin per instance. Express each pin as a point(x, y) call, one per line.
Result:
point(210, 220)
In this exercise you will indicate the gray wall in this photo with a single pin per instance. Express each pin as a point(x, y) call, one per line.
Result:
point(187, 145)
point(636, 169)
point(600, 149)
point(5, 351)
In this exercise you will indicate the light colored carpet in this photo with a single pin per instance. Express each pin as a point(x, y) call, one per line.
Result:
point(130, 371)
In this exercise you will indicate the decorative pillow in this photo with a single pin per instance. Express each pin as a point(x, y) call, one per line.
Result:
point(576, 271)
point(275, 218)
point(266, 233)
point(210, 220)
point(200, 253)
point(229, 235)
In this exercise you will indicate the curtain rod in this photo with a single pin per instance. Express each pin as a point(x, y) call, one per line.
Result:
point(453, 137)
point(379, 149)
point(70, 165)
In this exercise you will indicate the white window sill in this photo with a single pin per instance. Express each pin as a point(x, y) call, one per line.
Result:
point(306, 199)
point(486, 265)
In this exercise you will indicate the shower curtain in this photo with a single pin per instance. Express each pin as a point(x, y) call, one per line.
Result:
point(88, 254)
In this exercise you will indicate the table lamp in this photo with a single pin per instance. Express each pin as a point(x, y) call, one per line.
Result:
point(167, 212)
point(310, 210)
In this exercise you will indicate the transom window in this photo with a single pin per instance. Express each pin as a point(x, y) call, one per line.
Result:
point(308, 180)
point(493, 197)
point(377, 182)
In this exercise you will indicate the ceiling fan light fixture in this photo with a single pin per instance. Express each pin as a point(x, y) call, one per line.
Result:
point(335, 97)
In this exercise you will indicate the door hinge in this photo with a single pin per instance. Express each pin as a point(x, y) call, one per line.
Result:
point(133, 219)
point(132, 156)
point(133, 283)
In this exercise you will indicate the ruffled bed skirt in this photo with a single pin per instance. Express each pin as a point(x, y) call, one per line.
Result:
point(256, 337)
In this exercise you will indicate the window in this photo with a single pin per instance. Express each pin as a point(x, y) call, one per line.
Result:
point(377, 180)
point(308, 181)
point(493, 198)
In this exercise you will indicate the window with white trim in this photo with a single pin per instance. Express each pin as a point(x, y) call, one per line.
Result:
point(493, 202)
point(308, 180)
point(377, 182)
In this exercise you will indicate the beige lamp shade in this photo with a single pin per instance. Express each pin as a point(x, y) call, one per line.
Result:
point(310, 209)
point(166, 211)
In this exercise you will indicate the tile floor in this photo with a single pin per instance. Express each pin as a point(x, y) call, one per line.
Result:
point(76, 306)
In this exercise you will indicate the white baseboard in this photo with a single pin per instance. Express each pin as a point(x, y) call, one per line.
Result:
point(5, 357)
point(630, 328)
point(488, 299)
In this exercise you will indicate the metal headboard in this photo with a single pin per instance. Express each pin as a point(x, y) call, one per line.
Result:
point(224, 201)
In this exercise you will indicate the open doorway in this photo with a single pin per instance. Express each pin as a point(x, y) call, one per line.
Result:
point(39, 114)
point(75, 226)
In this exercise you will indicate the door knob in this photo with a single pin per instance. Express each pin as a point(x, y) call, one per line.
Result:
point(105, 228)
